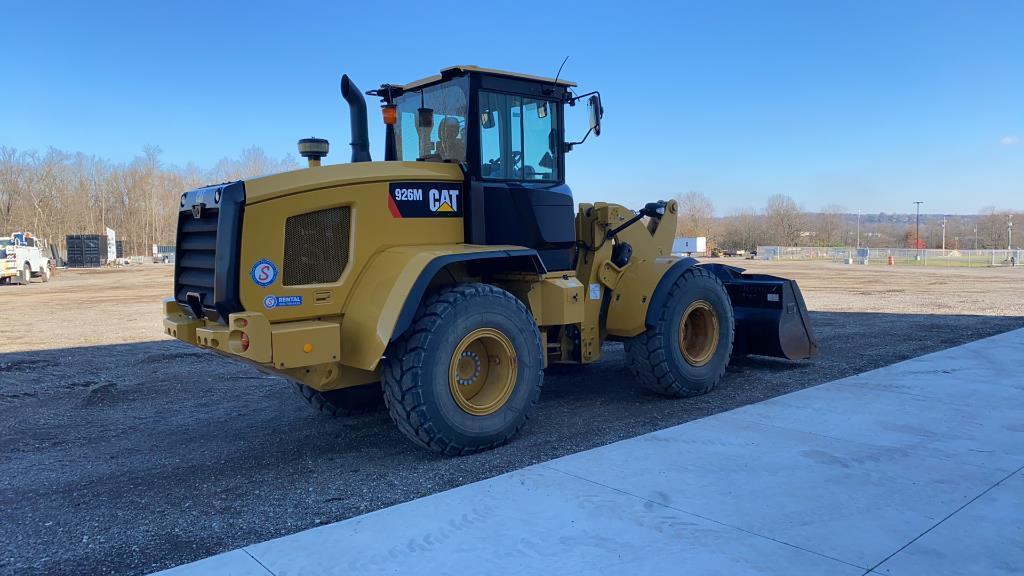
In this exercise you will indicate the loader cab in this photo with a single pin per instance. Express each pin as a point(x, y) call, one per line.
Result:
point(507, 132)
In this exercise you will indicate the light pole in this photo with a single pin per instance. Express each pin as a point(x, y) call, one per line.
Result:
point(1009, 231)
point(917, 233)
point(858, 228)
point(975, 236)
point(943, 232)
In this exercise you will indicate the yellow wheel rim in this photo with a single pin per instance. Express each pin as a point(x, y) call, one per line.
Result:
point(482, 372)
point(698, 333)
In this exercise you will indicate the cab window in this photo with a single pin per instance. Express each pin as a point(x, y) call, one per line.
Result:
point(518, 138)
point(445, 138)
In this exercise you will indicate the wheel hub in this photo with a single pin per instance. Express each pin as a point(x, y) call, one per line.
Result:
point(698, 333)
point(482, 372)
point(469, 368)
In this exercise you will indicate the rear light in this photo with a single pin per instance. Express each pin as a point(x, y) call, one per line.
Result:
point(244, 340)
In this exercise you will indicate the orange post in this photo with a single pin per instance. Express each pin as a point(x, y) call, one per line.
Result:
point(892, 261)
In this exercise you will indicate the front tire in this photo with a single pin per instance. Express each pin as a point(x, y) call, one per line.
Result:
point(466, 376)
point(687, 350)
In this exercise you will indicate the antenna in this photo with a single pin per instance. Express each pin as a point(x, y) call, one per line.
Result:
point(559, 73)
point(549, 91)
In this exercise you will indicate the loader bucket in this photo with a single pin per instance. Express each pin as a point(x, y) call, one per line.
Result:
point(771, 317)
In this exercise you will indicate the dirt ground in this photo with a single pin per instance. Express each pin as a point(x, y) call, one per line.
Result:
point(120, 306)
point(124, 452)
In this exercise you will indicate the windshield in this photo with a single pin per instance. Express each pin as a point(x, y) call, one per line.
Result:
point(5, 242)
point(518, 137)
point(446, 138)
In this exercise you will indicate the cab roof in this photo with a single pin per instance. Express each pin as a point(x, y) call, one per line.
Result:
point(463, 69)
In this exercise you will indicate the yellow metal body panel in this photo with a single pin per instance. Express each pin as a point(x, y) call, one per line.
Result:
point(380, 293)
point(271, 200)
point(177, 324)
point(306, 343)
point(633, 284)
point(334, 175)
point(555, 299)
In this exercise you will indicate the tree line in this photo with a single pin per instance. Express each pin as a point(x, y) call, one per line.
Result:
point(56, 193)
point(781, 222)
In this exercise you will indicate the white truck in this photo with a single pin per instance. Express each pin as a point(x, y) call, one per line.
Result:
point(22, 258)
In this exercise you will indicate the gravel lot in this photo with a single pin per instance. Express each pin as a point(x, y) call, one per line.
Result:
point(122, 452)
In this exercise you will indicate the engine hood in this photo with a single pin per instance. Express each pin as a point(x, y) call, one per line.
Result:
point(297, 181)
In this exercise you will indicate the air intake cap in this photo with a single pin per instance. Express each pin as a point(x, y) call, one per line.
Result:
point(313, 149)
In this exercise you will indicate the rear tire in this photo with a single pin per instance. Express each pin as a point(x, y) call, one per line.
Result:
point(687, 350)
point(350, 401)
point(466, 376)
point(26, 275)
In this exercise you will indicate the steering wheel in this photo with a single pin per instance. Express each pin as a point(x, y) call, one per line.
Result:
point(495, 167)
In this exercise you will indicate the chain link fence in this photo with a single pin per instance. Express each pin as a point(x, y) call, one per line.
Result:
point(894, 256)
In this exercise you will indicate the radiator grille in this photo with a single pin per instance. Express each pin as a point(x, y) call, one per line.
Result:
point(316, 246)
point(197, 244)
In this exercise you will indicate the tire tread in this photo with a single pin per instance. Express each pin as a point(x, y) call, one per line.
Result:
point(647, 356)
point(405, 358)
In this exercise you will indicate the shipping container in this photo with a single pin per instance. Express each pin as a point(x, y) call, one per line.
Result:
point(86, 250)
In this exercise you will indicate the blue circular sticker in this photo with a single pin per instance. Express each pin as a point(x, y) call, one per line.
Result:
point(270, 302)
point(263, 273)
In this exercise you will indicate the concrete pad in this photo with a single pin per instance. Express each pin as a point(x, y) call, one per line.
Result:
point(847, 500)
point(986, 537)
point(980, 374)
point(533, 521)
point(829, 480)
point(992, 437)
point(233, 563)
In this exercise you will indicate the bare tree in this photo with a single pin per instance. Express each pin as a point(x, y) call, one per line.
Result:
point(783, 220)
point(742, 230)
point(831, 231)
point(696, 215)
point(56, 193)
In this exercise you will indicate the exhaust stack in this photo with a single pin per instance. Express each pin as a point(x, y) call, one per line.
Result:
point(357, 117)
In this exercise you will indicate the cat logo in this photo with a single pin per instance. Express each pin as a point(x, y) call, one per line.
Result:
point(425, 199)
point(444, 200)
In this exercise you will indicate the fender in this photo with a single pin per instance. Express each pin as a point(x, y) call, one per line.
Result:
point(384, 300)
point(660, 295)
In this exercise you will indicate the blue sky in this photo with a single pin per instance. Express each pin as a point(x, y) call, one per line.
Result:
point(868, 104)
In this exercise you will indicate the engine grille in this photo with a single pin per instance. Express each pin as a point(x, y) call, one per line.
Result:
point(316, 247)
point(207, 250)
point(194, 258)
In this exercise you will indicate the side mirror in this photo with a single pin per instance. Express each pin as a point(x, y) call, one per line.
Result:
point(487, 119)
point(424, 117)
point(596, 112)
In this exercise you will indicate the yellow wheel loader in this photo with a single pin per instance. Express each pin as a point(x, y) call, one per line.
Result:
point(444, 279)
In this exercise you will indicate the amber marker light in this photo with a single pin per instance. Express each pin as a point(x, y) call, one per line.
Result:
point(390, 114)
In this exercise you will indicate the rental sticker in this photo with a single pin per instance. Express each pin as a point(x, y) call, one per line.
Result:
point(281, 301)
